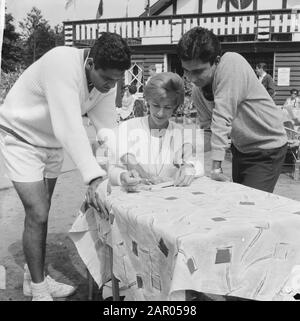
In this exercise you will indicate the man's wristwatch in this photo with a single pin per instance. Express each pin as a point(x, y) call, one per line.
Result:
point(217, 171)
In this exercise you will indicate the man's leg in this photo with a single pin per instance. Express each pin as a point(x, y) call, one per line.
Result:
point(259, 175)
point(50, 185)
point(261, 169)
point(36, 202)
point(235, 165)
point(37, 267)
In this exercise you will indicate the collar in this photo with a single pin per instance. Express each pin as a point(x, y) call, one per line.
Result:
point(90, 85)
point(263, 75)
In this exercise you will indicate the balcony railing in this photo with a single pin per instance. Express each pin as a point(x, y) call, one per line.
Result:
point(268, 25)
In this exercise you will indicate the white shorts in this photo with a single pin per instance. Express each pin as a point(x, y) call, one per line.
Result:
point(27, 163)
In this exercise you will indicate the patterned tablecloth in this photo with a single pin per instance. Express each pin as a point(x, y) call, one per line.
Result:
point(212, 237)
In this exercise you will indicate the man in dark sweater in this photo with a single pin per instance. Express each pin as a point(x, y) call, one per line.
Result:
point(230, 100)
point(265, 79)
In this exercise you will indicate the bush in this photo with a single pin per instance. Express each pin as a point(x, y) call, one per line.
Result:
point(7, 81)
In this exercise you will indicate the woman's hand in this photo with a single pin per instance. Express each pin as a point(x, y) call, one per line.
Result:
point(185, 175)
point(130, 180)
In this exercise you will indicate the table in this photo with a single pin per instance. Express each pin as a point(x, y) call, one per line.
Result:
point(211, 237)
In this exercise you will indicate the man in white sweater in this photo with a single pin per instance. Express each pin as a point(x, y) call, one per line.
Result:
point(41, 115)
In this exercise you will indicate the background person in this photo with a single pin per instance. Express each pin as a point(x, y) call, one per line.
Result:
point(294, 100)
point(231, 102)
point(42, 114)
point(291, 109)
point(265, 78)
point(128, 101)
point(152, 72)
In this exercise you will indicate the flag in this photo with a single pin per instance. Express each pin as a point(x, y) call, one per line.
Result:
point(127, 5)
point(126, 11)
point(69, 3)
point(100, 10)
point(147, 5)
point(220, 4)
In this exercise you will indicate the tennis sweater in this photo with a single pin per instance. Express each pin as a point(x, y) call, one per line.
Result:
point(46, 104)
point(241, 109)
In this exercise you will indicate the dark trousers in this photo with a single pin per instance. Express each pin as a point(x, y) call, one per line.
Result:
point(259, 169)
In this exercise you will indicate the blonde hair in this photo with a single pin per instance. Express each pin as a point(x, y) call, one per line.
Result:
point(165, 85)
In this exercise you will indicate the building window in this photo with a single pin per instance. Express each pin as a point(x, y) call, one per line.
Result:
point(135, 76)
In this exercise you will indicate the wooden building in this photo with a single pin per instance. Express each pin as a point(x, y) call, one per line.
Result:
point(261, 30)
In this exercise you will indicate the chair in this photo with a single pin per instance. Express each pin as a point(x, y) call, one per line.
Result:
point(293, 152)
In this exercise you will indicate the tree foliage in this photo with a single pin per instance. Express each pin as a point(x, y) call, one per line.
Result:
point(11, 46)
point(38, 36)
point(19, 50)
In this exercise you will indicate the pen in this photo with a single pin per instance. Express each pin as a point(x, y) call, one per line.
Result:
point(168, 186)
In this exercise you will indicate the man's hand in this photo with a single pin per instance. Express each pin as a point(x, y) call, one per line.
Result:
point(130, 180)
point(185, 175)
point(92, 197)
point(217, 175)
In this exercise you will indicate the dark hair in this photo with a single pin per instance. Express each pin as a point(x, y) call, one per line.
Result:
point(165, 84)
point(132, 89)
point(199, 43)
point(111, 51)
point(262, 65)
point(294, 90)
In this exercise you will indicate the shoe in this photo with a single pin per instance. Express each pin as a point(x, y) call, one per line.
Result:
point(42, 297)
point(40, 291)
point(57, 289)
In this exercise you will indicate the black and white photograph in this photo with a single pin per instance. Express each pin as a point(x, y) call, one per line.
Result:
point(150, 151)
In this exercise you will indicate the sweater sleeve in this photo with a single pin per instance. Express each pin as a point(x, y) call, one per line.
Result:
point(61, 81)
point(115, 174)
point(230, 87)
point(104, 114)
